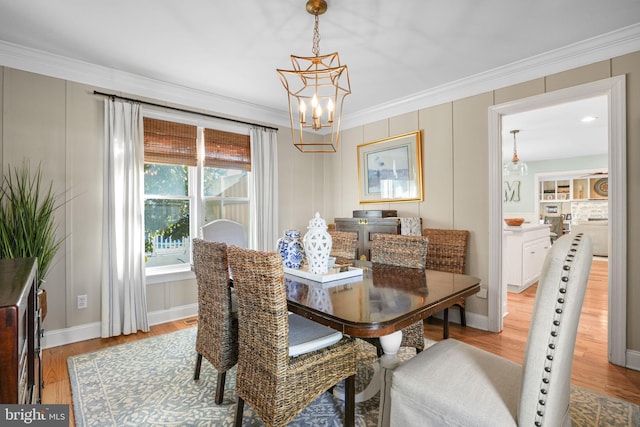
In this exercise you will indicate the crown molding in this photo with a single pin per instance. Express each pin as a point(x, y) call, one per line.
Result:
point(610, 45)
point(606, 46)
point(40, 62)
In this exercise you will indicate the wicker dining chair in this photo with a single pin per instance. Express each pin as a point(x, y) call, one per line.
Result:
point(277, 385)
point(217, 337)
point(344, 246)
point(402, 251)
point(448, 252)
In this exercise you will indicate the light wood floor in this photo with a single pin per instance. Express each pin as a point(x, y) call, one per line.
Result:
point(590, 369)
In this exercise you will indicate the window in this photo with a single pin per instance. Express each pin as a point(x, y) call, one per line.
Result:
point(167, 213)
point(226, 195)
point(227, 163)
point(181, 196)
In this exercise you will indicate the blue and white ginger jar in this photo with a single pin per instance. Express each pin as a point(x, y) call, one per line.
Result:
point(291, 249)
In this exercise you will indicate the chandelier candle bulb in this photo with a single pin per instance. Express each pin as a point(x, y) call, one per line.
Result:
point(317, 116)
point(330, 109)
point(303, 111)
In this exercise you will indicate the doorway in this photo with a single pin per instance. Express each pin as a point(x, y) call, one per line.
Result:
point(614, 90)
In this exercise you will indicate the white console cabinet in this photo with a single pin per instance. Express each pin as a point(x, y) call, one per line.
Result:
point(525, 249)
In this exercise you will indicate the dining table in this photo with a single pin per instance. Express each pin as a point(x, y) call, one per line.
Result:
point(377, 303)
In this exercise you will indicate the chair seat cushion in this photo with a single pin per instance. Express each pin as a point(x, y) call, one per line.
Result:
point(234, 303)
point(426, 390)
point(306, 335)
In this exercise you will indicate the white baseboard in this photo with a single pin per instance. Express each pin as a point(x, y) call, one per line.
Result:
point(89, 331)
point(176, 313)
point(69, 335)
point(633, 359)
point(474, 320)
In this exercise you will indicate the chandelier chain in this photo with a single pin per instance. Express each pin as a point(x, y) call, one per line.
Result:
point(316, 37)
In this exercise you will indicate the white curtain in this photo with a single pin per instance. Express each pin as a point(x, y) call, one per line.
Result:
point(124, 304)
point(264, 188)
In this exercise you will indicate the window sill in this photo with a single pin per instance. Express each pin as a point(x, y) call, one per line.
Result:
point(158, 275)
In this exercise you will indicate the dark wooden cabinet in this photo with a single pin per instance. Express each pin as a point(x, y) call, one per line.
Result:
point(20, 353)
point(366, 229)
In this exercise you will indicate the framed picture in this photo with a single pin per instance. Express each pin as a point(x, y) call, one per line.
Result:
point(390, 169)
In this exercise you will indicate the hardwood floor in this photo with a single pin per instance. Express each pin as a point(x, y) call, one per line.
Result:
point(591, 369)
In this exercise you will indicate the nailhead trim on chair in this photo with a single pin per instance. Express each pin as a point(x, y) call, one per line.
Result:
point(555, 329)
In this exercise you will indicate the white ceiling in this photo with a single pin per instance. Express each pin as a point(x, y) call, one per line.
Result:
point(394, 49)
point(558, 132)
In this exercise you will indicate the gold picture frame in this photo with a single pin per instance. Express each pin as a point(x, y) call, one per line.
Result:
point(390, 169)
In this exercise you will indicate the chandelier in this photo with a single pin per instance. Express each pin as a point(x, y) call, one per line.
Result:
point(316, 89)
point(515, 166)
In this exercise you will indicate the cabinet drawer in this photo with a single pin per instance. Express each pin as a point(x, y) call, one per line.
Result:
point(533, 255)
point(375, 214)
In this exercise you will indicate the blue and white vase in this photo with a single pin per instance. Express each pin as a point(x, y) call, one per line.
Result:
point(291, 249)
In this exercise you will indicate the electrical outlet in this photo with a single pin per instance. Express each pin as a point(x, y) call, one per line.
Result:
point(482, 293)
point(82, 301)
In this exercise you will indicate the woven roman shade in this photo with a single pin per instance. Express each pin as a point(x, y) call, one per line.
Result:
point(227, 150)
point(170, 143)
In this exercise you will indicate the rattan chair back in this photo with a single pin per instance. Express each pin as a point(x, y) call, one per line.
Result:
point(399, 250)
point(448, 252)
point(344, 246)
point(447, 249)
point(278, 387)
point(217, 336)
point(402, 251)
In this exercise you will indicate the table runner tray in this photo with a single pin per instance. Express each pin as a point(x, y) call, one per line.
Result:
point(322, 278)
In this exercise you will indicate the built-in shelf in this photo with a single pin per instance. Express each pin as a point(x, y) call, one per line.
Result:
point(574, 189)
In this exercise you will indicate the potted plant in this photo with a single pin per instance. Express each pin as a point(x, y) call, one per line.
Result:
point(27, 223)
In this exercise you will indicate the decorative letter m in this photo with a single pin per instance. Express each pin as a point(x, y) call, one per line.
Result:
point(512, 191)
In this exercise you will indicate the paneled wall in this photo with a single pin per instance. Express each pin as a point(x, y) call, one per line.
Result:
point(455, 165)
point(59, 123)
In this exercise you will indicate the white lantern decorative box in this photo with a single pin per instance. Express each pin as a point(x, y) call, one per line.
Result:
point(317, 245)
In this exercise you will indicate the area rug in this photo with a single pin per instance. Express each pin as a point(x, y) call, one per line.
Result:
point(150, 382)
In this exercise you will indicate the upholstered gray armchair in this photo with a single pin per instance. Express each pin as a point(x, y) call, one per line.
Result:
point(455, 384)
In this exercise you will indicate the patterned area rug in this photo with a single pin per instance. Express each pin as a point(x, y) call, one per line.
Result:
point(150, 382)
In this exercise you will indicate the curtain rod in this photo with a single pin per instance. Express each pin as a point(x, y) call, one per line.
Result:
point(110, 95)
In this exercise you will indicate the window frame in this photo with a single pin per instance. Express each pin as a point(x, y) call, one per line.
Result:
point(175, 272)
